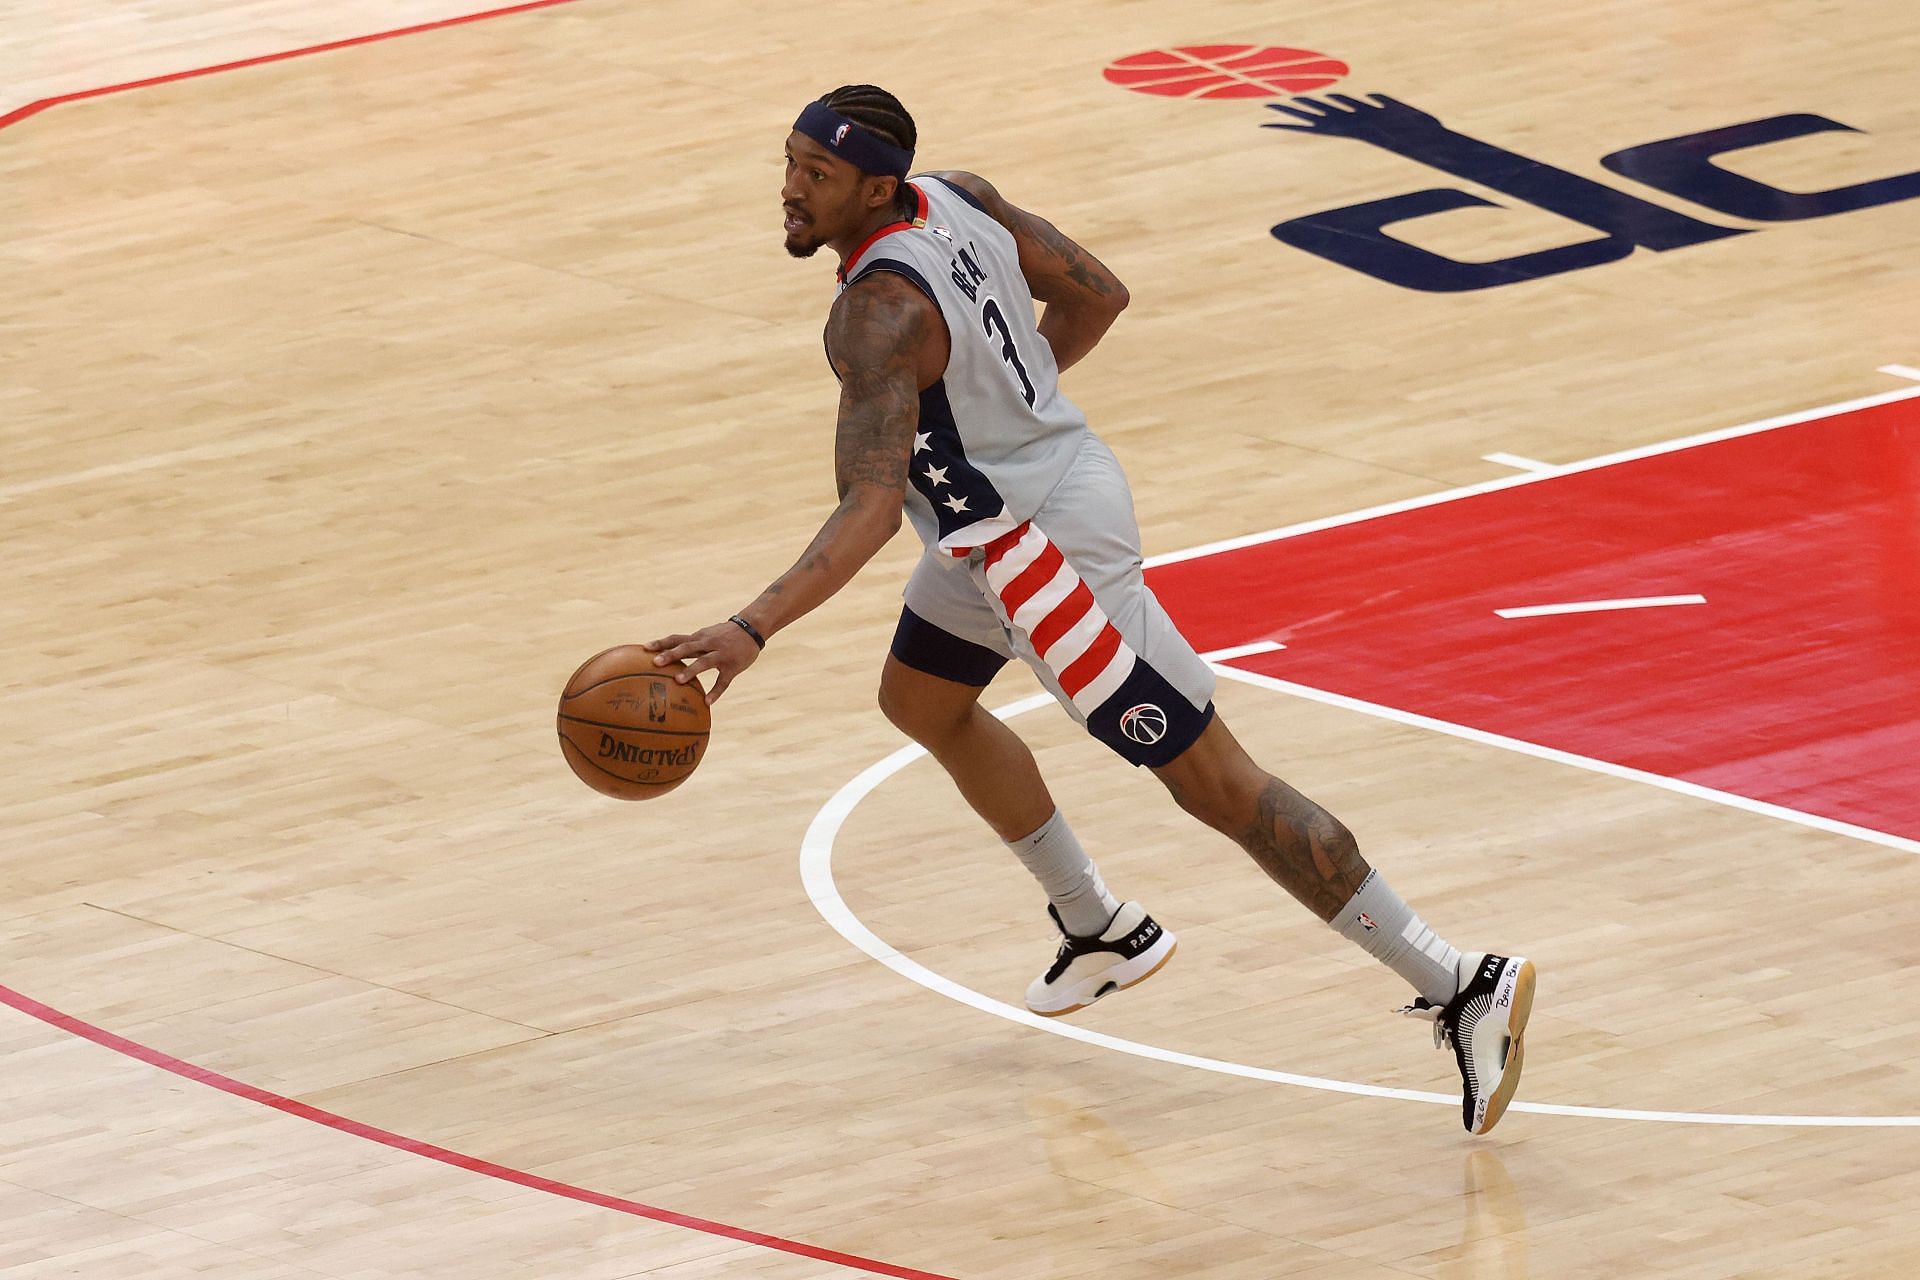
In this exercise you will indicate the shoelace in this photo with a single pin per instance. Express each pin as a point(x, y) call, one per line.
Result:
point(1425, 1008)
point(1061, 959)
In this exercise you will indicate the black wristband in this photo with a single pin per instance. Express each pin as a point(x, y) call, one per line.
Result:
point(752, 631)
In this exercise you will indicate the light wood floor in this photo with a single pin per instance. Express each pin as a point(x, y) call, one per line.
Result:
point(350, 401)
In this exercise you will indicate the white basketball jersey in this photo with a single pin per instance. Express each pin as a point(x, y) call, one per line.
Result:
point(995, 434)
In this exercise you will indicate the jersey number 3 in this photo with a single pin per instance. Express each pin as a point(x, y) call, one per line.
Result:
point(996, 324)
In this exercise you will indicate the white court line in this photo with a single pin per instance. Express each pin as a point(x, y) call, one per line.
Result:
point(1901, 371)
point(1599, 606)
point(1546, 753)
point(1517, 462)
point(816, 874)
point(1510, 482)
point(1244, 650)
point(816, 849)
point(1677, 785)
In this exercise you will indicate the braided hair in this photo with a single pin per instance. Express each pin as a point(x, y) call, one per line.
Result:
point(879, 113)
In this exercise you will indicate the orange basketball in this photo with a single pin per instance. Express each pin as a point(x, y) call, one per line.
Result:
point(627, 729)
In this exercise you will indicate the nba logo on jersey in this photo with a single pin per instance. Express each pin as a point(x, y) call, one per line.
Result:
point(840, 134)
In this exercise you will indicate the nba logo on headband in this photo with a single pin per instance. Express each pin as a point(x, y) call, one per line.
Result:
point(866, 151)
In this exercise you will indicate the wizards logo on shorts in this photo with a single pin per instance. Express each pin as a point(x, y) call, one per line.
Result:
point(1356, 236)
point(1145, 724)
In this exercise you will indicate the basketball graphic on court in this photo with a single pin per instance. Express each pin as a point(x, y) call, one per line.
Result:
point(1225, 71)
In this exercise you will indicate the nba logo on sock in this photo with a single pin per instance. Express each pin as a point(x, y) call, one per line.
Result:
point(1146, 724)
point(1366, 922)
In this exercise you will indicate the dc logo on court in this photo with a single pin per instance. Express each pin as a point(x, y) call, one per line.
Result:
point(1371, 238)
point(1146, 724)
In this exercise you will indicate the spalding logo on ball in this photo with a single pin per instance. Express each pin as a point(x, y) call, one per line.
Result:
point(627, 729)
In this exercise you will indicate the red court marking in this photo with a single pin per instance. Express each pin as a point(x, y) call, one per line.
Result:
point(414, 1146)
point(1796, 684)
point(1225, 71)
point(35, 108)
point(239, 1089)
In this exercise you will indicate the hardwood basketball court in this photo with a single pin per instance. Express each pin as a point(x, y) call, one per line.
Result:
point(353, 398)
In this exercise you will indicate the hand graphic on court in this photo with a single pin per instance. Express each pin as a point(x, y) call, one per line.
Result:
point(1344, 116)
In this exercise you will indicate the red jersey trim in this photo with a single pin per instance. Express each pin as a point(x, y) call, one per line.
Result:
point(919, 220)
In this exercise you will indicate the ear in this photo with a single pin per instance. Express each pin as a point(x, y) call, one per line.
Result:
point(880, 191)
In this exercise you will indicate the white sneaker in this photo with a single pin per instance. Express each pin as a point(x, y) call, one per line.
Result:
point(1129, 950)
point(1484, 1024)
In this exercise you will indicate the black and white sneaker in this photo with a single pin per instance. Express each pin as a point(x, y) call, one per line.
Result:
point(1484, 1024)
point(1129, 950)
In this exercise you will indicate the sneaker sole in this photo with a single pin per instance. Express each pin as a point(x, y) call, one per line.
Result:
point(1516, 1051)
point(1109, 990)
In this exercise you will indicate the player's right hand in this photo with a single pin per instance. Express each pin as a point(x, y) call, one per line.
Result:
point(722, 648)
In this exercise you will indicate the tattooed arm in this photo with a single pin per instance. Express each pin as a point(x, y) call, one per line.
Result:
point(879, 336)
point(1083, 298)
point(876, 334)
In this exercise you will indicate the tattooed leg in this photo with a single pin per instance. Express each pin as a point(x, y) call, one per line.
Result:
point(1312, 856)
point(1305, 849)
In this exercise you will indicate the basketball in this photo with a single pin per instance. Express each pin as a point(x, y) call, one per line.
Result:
point(627, 730)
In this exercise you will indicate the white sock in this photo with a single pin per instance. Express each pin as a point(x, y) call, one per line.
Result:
point(1387, 929)
point(1064, 870)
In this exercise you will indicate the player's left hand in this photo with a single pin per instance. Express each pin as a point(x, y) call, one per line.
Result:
point(722, 648)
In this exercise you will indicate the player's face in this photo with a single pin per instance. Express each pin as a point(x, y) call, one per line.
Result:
point(822, 197)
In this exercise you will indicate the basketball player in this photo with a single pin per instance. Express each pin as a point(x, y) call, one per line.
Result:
point(950, 408)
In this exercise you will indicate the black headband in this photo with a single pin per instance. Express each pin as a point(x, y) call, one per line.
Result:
point(865, 151)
